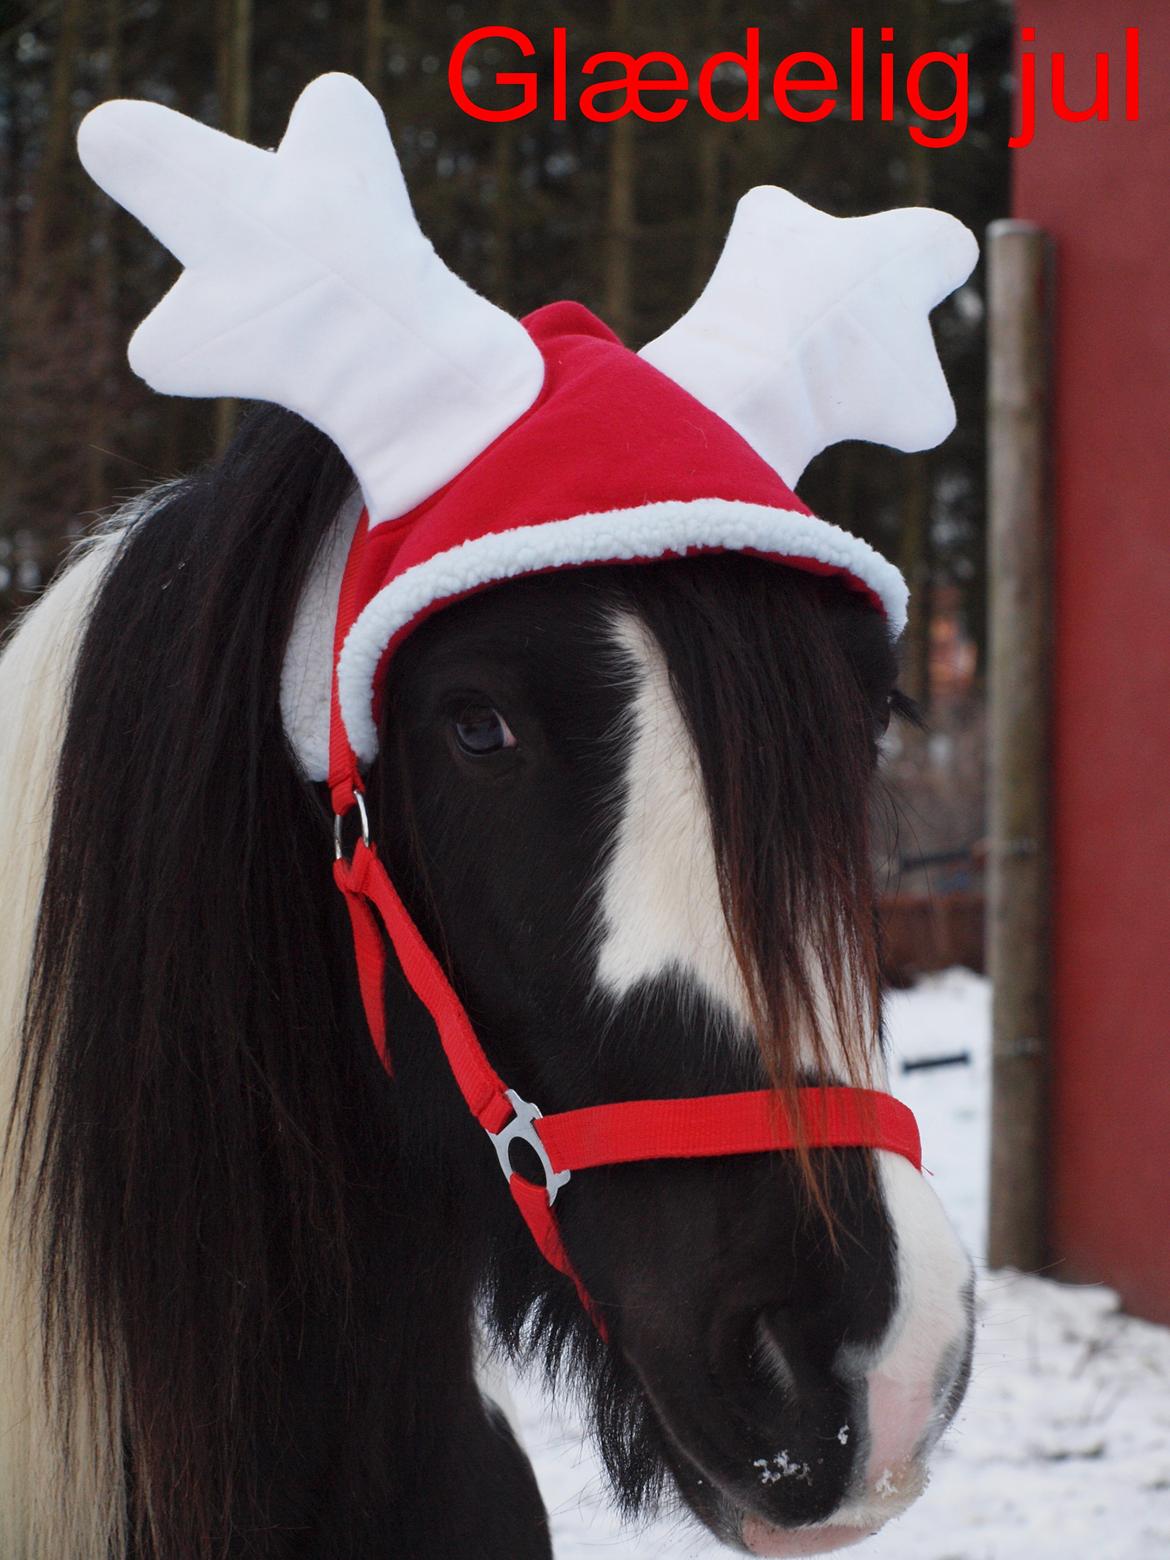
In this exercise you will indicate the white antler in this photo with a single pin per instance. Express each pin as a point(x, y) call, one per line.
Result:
point(307, 282)
point(815, 329)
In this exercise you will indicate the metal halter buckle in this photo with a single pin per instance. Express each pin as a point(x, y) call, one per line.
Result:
point(521, 1130)
point(339, 819)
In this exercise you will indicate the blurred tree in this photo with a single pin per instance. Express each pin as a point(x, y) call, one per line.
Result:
point(233, 76)
point(105, 346)
point(627, 217)
point(375, 45)
point(620, 235)
point(48, 180)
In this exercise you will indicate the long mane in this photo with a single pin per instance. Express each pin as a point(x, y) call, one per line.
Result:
point(160, 1217)
point(79, 1515)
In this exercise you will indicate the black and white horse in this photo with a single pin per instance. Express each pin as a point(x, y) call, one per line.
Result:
point(242, 1267)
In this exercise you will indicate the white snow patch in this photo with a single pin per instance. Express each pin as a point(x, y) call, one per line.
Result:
point(1062, 1447)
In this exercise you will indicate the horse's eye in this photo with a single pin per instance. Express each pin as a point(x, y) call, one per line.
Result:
point(479, 729)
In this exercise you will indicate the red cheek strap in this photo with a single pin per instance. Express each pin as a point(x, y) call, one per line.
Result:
point(367, 887)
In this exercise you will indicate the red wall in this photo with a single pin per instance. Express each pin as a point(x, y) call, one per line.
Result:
point(1103, 190)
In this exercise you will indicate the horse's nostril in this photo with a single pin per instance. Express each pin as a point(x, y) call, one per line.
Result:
point(771, 1350)
point(795, 1461)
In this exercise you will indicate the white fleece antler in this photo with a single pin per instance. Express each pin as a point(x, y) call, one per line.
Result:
point(815, 329)
point(308, 282)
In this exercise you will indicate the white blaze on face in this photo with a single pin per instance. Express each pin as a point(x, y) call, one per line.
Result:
point(907, 1378)
point(928, 1333)
point(661, 914)
point(661, 918)
point(909, 1375)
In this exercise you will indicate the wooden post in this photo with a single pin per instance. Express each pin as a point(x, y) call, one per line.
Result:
point(1019, 573)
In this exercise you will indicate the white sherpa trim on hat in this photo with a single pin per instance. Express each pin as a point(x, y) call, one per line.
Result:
point(646, 531)
point(306, 678)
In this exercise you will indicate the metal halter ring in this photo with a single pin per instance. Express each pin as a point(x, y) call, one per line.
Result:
point(339, 819)
point(521, 1130)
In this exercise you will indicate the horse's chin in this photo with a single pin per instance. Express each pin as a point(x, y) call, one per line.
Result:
point(761, 1538)
point(743, 1528)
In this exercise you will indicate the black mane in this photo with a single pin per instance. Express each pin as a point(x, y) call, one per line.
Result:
point(219, 1137)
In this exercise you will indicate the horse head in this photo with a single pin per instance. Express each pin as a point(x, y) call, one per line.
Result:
point(631, 806)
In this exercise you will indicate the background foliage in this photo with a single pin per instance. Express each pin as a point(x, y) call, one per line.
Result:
point(627, 217)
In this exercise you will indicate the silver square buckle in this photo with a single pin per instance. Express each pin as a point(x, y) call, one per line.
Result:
point(521, 1129)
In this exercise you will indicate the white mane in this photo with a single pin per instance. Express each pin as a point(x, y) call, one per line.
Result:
point(55, 1502)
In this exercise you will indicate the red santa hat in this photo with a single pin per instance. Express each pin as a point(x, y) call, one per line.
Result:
point(486, 448)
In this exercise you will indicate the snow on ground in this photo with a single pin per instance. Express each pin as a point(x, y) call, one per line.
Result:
point(1062, 1449)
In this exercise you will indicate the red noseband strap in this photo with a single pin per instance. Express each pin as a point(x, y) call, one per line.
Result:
point(756, 1122)
point(715, 1125)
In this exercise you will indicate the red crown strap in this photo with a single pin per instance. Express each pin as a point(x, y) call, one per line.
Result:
point(364, 882)
point(343, 765)
point(480, 1085)
point(369, 946)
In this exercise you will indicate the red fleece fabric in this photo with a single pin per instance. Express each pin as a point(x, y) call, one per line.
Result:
point(608, 432)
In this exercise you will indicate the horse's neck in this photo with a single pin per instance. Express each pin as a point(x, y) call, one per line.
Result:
point(392, 1433)
point(440, 1451)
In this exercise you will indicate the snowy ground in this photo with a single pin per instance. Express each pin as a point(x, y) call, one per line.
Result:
point(1062, 1450)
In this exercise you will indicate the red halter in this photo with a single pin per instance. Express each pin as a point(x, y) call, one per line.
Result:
point(756, 1121)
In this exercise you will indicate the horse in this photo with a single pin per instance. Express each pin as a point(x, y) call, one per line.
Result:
point(244, 1268)
point(612, 820)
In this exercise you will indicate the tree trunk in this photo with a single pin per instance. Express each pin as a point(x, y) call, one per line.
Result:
point(47, 340)
point(916, 562)
point(504, 211)
point(618, 290)
point(375, 45)
point(234, 83)
point(709, 163)
point(105, 296)
point(11, 159)
point(918, 487)
point(504, 223)
point(51, 182)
